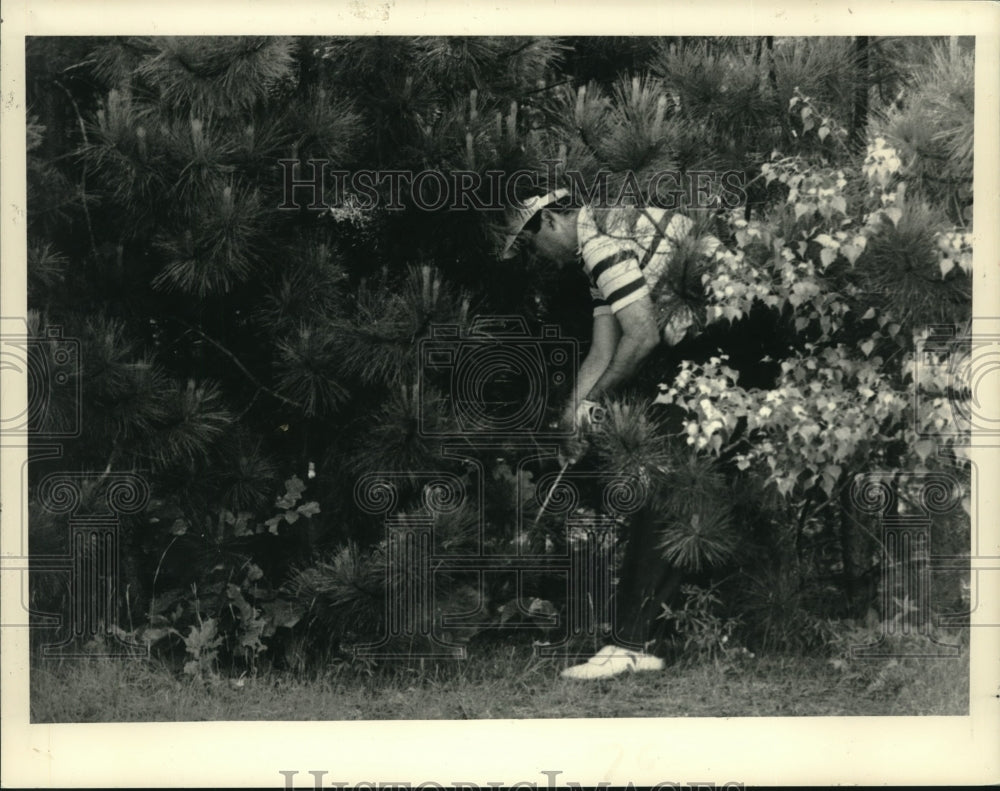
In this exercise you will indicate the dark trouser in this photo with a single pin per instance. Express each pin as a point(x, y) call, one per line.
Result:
point(646, 580)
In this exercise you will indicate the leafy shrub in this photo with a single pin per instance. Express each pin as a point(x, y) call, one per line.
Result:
point(779, 615)
point(704, 634)
point(223, 607)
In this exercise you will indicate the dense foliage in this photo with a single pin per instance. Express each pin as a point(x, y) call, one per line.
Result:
point(254, 363)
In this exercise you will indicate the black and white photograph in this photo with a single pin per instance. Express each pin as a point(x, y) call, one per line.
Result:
point(397, 380)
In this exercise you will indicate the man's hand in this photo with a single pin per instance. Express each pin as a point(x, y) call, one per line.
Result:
point(579, 421)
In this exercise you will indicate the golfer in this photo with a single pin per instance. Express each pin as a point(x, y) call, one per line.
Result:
point(624, 252)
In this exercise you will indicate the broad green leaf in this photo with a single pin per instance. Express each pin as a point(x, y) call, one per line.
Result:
point(851, 252)
point(308, 509)
point(204, 636)
point(923, 448)
point(294, 485)
point(279, 614)
point(240, 528)
point(293, 492)
point(542, 607)
point(823, 132)
point(284, 613)
point(153, 635)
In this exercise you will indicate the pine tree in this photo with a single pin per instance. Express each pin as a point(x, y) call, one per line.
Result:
point(246, 358)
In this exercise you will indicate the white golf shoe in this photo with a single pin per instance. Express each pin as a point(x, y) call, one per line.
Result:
point(613, 660)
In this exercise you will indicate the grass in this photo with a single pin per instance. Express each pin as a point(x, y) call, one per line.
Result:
point(504, 682)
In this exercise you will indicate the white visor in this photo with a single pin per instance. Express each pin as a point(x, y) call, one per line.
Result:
point(522, 215)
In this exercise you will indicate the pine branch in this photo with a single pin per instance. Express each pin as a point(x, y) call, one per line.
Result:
point(547, 87)
point(260, 385)
point(516, 50)
point(83, 172)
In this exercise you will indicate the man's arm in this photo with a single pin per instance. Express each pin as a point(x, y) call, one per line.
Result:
point(603, 342)
point(639, 336)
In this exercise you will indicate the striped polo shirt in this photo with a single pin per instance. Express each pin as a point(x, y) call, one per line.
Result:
point(623, 264)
